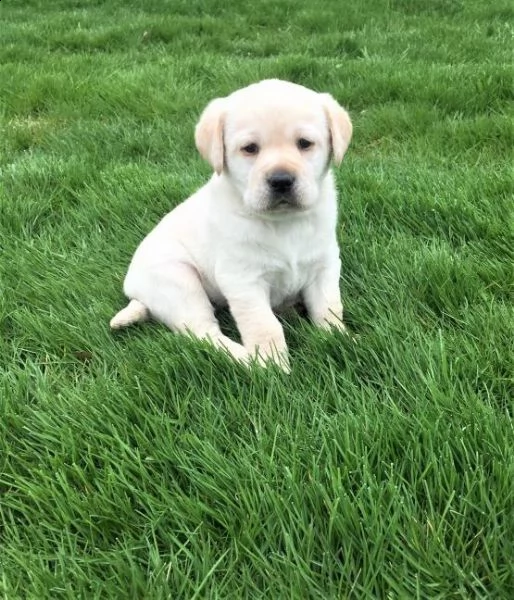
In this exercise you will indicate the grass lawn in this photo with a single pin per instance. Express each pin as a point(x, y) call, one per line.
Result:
point(145, 465)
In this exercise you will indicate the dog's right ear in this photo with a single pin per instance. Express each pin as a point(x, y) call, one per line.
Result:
point(209, 134)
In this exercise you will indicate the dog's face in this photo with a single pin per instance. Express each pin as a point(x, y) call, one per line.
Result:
point(274, 140)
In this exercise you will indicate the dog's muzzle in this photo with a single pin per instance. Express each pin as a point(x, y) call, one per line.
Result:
point(281, 185)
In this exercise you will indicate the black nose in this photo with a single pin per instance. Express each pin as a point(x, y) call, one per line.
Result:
point(281, 182)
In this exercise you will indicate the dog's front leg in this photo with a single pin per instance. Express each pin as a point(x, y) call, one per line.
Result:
point(261, 332)
point(323, 298)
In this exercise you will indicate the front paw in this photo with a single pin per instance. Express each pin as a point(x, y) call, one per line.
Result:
point(335, 324)
point(273, 357)
point(330, 322)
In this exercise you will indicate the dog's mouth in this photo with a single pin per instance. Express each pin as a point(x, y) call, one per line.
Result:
point(283, 202)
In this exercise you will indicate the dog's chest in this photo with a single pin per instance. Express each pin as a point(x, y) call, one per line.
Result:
point(288, 280)
point(289, 268)
point(282, 258)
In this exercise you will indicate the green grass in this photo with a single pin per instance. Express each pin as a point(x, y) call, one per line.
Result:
point(146, 465)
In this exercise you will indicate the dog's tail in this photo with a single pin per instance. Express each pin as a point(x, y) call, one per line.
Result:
point(134, 312)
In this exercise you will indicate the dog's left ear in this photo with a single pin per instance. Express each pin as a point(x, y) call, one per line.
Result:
point(209, 134)
point(340, 127)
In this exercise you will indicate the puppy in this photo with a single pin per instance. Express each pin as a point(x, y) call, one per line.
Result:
point(260, 234)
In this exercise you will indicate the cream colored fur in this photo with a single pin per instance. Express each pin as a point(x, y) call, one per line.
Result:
point(238, 241)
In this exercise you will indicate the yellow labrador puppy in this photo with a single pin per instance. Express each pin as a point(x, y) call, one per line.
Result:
point(260, 234)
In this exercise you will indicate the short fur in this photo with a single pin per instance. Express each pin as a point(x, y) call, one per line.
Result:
point(260, 234)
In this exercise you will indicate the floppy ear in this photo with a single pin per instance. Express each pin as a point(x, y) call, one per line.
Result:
point(209, 134)
point(340, 127)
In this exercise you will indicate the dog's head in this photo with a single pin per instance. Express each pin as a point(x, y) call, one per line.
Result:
point(274, 140)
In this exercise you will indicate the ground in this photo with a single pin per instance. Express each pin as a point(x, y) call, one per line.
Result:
point(146, 465)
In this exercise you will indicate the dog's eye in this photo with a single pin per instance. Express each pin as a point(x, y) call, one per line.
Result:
point(304, 144)
point(250, 149)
